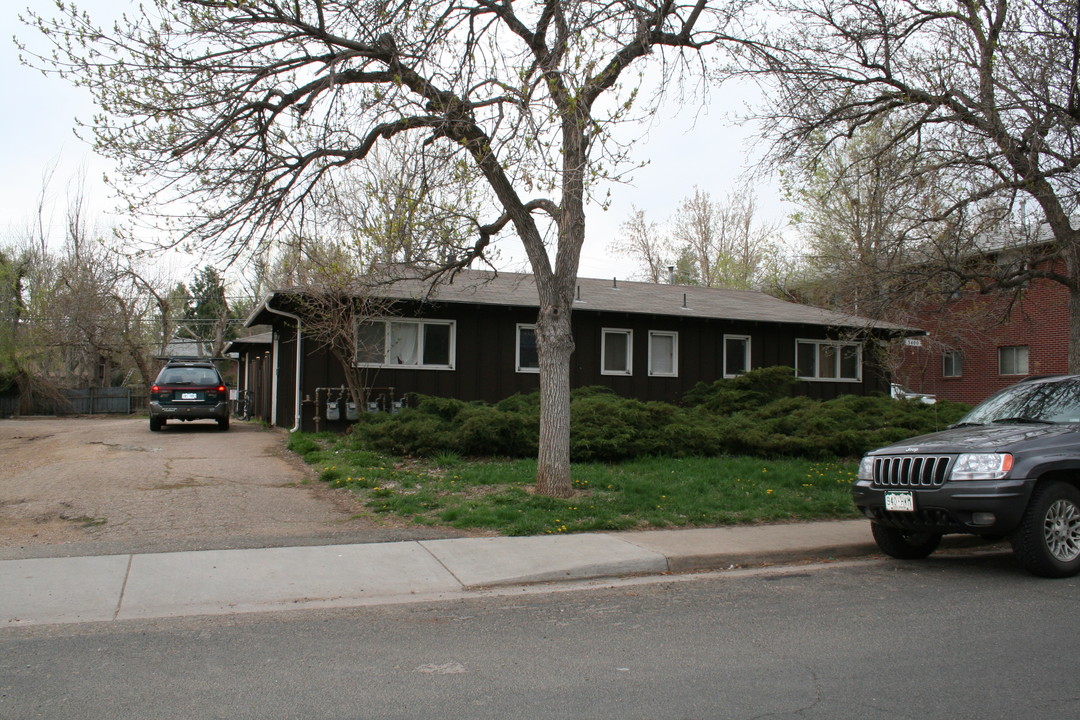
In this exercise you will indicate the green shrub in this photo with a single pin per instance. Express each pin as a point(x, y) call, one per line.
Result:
point(846, 426)
point(490, 431)
point(754, 414)
point(445, 408)
point(750, 390)
point(411, 432)
point(607, 427)
point(692, 434)
point(525, 404)
point(589, 391)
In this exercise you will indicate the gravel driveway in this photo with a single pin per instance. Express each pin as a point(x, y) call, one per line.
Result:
point(94, 486)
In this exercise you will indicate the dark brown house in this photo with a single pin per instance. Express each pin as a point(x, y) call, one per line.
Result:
point(473, 339)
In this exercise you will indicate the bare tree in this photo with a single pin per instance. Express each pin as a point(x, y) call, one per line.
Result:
point(247, 111)
point(76, 302)
point(982, 95)
point(643, 242)
point(858, 200)
point(723, 239)
point(78, 312)
point(710, 243)
point(405, 206)
point(336, 293)
point(164, 309)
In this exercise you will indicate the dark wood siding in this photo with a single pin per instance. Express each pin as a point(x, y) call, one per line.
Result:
point(286, 375)
point(484, 367)
point(701, 354)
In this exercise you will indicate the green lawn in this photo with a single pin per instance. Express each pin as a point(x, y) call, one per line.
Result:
point(650, 493)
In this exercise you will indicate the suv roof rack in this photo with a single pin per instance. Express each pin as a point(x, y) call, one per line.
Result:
point(186, 358)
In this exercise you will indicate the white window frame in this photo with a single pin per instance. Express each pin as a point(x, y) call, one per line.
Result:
point(387, 322)
point(517, 349)
point(1014, 348)
point(674, 353)
point(958, 360)
point(839, 346)
point(746, 353)
point(629, 335)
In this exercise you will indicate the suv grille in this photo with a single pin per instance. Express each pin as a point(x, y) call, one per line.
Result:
point(911, 470)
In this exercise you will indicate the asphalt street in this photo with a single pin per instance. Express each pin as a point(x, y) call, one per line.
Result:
point(955, 636)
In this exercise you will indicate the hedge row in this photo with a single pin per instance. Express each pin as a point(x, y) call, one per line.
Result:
point(755, 414)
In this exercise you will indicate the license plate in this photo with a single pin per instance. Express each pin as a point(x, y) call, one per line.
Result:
point(900, 501)
point(189, 396)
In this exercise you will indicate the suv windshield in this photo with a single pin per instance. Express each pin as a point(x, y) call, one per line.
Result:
point(1038, 402)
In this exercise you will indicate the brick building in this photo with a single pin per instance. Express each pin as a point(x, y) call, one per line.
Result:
point(978, 344)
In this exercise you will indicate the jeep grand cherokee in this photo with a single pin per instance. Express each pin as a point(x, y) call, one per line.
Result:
point(1009, 468)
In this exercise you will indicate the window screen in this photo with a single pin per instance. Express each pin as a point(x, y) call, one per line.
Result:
point(616, 352)
point(663, 353)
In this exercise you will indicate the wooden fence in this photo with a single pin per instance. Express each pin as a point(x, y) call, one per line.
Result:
point(87, 401)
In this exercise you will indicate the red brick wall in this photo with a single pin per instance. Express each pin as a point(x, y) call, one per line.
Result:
point(978, 326)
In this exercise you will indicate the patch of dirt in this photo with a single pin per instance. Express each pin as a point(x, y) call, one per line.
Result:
point(96, 485)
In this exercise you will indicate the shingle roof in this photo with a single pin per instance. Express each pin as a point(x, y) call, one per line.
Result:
point(605, 295)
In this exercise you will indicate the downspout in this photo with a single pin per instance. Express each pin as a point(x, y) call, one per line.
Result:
point(247, 384)
point(299, 355)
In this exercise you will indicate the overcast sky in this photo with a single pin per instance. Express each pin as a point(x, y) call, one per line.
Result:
point(696, 146)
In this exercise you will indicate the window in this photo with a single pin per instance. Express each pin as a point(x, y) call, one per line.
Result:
point(952, 364)
point(1013, 360)
point(663, 353)
point(828, 360)
point(406, 343)
point(736, 355)
point(371, 343)
point(615, 352)
point(526, 357)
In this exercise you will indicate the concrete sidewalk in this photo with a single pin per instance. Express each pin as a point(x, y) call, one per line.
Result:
point(168, 585)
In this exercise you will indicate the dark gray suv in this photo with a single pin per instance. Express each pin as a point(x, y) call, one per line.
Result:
point(1009, 468)
point(189, 389)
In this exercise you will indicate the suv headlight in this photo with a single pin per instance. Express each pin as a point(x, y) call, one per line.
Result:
point(866, 468)
point(982, 466)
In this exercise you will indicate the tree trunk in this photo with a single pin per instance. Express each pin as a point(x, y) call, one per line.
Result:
point(1069, 241)
point(1074, 330)
point(555, 345)
point(1072, 268)
point(554, 332)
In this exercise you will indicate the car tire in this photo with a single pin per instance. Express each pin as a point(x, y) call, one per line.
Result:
point(156, 424)
point(223, 423)
point(904, 545)
point(1047, 543)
